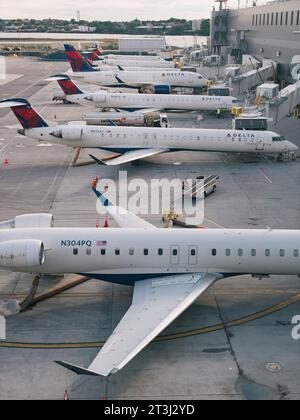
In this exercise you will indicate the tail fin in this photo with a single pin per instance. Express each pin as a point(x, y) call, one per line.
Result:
point(78, 63)
point(96, 51)
point(26, 115)
point(91, 55)
point(67, 85)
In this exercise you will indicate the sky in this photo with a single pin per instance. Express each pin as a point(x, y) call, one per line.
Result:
point(115, 10)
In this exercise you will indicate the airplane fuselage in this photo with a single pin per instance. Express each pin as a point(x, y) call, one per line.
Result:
point(123, 139)
point(136, 63)
point(171, 78)
point(135, 102)
point(129, 255)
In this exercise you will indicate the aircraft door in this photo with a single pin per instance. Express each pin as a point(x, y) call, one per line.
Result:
point(193, 255)
point(260, 144)
point(175, 255)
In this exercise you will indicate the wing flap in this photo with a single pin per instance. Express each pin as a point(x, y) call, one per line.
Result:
point(156, 303)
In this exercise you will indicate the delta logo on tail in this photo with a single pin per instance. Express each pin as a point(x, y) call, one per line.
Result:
point(27, 116)
point(66, 84)
point(77, 62)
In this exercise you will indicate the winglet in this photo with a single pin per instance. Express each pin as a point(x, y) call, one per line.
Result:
point(99, 161)
point(119, 80)
point(76, 369)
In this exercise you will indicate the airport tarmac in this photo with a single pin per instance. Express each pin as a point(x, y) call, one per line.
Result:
point(249, 352)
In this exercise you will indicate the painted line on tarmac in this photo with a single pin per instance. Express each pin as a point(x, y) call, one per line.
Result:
point(265, 176)
point(183, 334)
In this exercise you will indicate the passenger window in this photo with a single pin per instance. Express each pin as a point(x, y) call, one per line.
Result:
point(175, 252)
point(75, 251)
point(214, 252)
point(117, 252)
point(268, 253)
point(89, 251)
point(228, 252)
point(282, 253)
point(253, 252)
point(240, 252)
point(103, 251)
point(296, 253)
point(160, 252)
point(131, 252)
point(193, 252)
point(146, 252)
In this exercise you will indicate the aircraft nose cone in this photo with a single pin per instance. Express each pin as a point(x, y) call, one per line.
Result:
point(293, 147)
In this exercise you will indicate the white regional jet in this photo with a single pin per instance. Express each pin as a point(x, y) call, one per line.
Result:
point(156, 78)
point(127, 60)
point(134, 143)
point(136, 102)
point(168, 268)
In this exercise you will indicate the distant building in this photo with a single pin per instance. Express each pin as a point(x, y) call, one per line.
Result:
point(267, 31)
point(85, 28)
point(197, 24)
point(142, 44)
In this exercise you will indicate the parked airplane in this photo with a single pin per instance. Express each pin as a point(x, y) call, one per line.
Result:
point(159, 64)
point(134, 143)
point(169, 269)
point(135, 102)
point(129, 60)
point(156, 79)
point(102, 65)
point(95, 54)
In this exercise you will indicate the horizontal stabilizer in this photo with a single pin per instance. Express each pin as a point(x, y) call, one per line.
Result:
point(13, 103)
point(58, 77)
point(76, 369)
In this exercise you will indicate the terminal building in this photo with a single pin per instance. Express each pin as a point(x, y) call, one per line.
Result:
point(269, 31)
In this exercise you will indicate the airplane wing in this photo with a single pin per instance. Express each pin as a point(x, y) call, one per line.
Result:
point(139, 111)
point(135, 85)
point(124, 218)
point(129, 156)
point(156, 303)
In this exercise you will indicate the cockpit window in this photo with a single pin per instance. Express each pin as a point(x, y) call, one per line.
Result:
point(278, 138)
point(200, 77)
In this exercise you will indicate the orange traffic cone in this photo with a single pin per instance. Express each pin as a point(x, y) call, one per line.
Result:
point(106, 224)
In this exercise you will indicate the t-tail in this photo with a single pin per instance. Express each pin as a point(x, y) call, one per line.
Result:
point(27, 116)
point(91, 56)
point(77, 61)
point(66, 84)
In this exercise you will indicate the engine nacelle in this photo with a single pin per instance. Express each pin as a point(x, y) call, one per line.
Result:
point(162, 89)
point(99, 98)
point(69, 133)
point(38, 220)
point(24, 253)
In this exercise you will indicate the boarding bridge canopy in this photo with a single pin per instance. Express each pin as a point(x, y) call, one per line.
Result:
point(285, 103)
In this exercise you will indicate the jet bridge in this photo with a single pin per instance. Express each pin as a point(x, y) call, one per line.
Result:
point(284, 103)
point(243, 83)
